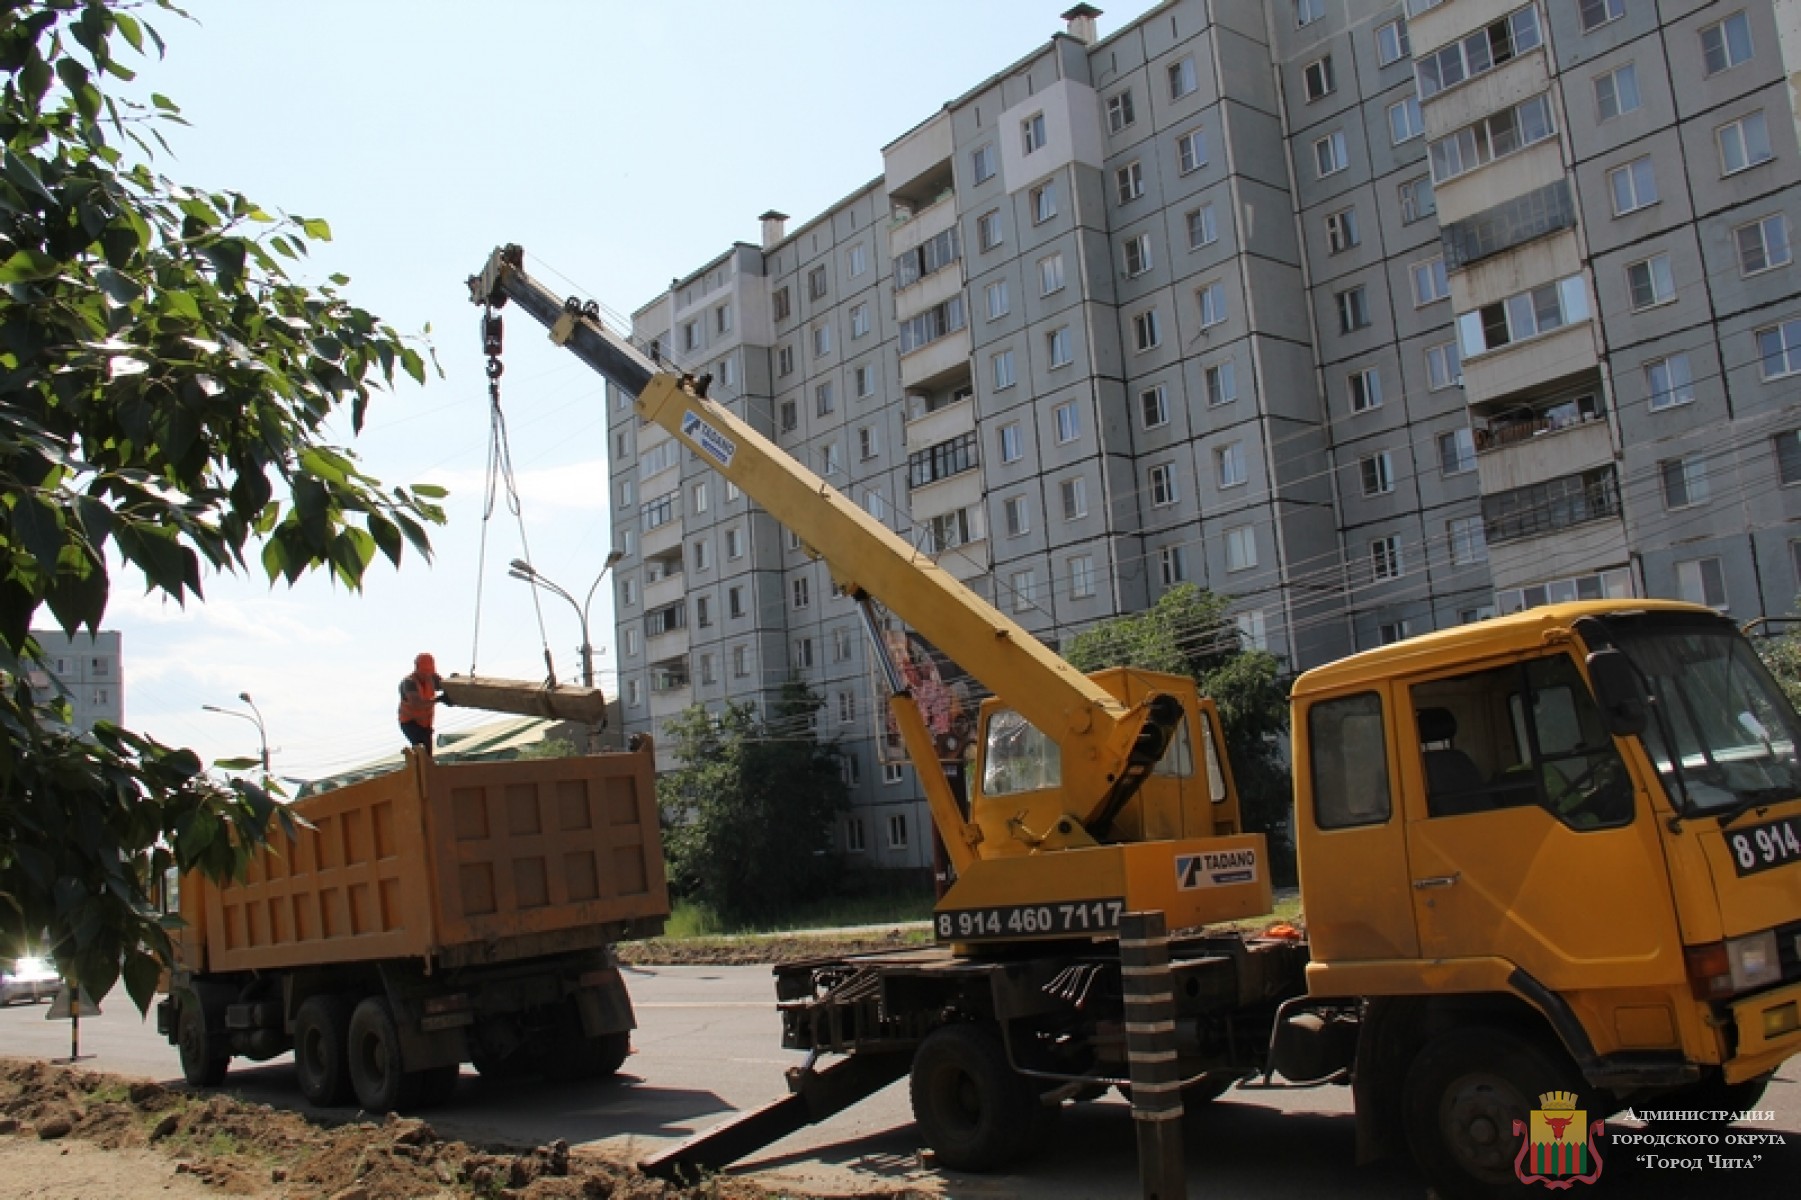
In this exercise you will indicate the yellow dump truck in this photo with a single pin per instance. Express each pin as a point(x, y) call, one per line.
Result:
point(437, 915)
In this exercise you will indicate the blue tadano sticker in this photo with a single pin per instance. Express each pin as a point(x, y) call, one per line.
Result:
point(720, 447)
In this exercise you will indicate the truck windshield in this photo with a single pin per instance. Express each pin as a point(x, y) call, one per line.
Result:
point(1735, 732)
point(1018, 758)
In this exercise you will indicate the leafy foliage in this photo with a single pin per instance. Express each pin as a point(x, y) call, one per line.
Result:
point(1782, 654)
point(165, 390)
point(1187, 633)
point(751, 807)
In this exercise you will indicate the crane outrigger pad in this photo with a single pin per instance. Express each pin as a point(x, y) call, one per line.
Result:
point(560, 702)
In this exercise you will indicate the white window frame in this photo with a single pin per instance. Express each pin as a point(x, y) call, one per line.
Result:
point(1729, 47)
point(1002, 365)
point(1386, 560)
point(1364, 390)
point(1241, 548)
point(1016, 520)
point(1650, 282)
point(1702, 581)
point(1073, 493)
point(1068, 419)
point(1120, 111)
point(999, 302)
point(1772, 248)
point(1632, 186)
point(1136, 251)
point(1405, 121)
point(1059, 348)
point(1221, 382)
point(1203, 229)
point(1430, 281)
point(1669, 382)
point(1153, 407)
point(1746, 140)
point(1616, 93)
point(1081, 576)
point(1331, 154)
point(1050, 274)
point(1191, 151)
point(1229, 466)
point(1444, 366)
point(1377, 473)
point(1147, 330)
point(1160, 481)
point(1010, 446)
point(1128, 182)
point(1182, 78)
point(1211, 297)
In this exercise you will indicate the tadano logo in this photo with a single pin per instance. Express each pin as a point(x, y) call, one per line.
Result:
point(1215, 868)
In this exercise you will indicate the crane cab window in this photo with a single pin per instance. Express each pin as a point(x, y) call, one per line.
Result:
point(1349, 753)
point(1016, 757)
point(1178, 761)
point(1521, 735)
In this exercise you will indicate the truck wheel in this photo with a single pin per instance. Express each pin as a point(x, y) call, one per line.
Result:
point(321, 1052)
point(594, 1058)
point(203, 1060)
point(377, 1071)
point(975, 1111)
point(1461, 1097)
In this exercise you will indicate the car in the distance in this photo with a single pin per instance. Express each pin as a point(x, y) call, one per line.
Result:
point(30, 980)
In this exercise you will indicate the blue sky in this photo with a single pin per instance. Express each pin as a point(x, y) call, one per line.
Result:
point(621, 144)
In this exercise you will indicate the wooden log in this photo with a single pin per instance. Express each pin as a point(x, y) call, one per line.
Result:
point(560, 702)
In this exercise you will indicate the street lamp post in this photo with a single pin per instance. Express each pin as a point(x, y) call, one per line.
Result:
point(530, 574)
point(255, 717)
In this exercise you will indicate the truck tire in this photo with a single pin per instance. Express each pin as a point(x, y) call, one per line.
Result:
point(204, 1059)
point(1462, 1094)
point(975, 1111)
point(593, 1058)
point(321, 1050)
point(377, 1070)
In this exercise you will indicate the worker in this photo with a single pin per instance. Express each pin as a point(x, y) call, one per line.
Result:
point(420, 694)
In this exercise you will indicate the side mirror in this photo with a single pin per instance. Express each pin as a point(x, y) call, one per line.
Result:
point(1618, 690)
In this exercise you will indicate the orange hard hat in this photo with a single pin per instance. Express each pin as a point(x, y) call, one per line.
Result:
point(425, 664)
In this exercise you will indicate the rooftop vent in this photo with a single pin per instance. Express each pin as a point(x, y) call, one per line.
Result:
point(1081, 23)
point(775, 227)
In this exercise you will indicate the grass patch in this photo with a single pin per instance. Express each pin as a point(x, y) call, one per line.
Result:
point(690, 920)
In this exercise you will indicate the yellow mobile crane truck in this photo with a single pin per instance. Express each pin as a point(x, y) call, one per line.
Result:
point(1555, 852)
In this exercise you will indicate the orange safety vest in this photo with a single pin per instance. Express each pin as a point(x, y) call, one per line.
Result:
point(418, 699)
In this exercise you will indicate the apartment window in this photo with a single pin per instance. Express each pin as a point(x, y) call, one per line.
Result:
point(1743, 143)
point(1701, 581)
point(824, 399)
point(1044, 202)
point(734, 603)
point(853, 832)
point(803, 654)
point(1429, 281)
point(816, 283)
point(1596, 13)
point(625, 493)
point(1241, 548)
point(1119, 111)
point(1385, 558)
point(859, 321)
point(1003, 370)
point(1153, 407)
point(660, 511)
point(631, 642)
point(1162, 480)
point(1010, 444)
point(999, 304)
point(1341, 230)
point(1779, 348)
point(703, 556)
point(1306, 12)
point(1229, 465)
point(1616, 93)
point(634, 693)
point(1390, 632)
point(869, 442)
point(1726, 44)
point(982, 160)
point(1365, 389)
point(784, 360)
point(1069, 422)
point(1468, 545)
point(1147, 330)
point(1202, 230)
point(1684, 481)
point(1524, 315)
point(1762, 244)
point(1129, 182)
point(782, 304)
point(828, 459)
point(1191, 151)
point(1443, 367)
point(698, 496)
point(1050, 274)
point(1317, 78)
point(1633, 186)
point(1496, 43)
point(1013, 516)
point(1222, 383)
point(988, 230)
point(1650, 282)
point(800, 591)
point(891, 773)
point(1391, 43)
point(1417, 199)
point(1494, 137)
point(1670, 382)
point(740, 662)
point(1031, 132)
point(1181, 78)
point(847, 709)
point(1329, 154)
point(1138, 254)
point(734, 542)
point(897, 831)
point(822, 340)
point(864, 379)
point(875, 505)
point(727, 371)
point(709, 669)
point(1058, 347)
point(941, 320)
point(1378, 473)
point(1212, 300)
point(691, 336)
point(950, 457)
point(949, 531)
point(1025, 590)
point(859, 260)
point(1404, 120)
point(1353, 309)
point(1788, 456)
point(1172, 565)
point(1074, 494)
point(1081, 577)
point(1457, 451)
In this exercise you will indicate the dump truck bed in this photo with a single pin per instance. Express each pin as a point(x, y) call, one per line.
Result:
point(460, 864)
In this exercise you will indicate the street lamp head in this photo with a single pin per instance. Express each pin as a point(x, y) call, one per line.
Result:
point(614, 557)
point(245, 697)
point(522, 568)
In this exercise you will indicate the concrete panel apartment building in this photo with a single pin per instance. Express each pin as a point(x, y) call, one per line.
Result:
point(1374, 318)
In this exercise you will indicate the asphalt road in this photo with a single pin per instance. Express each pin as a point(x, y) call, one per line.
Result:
point(707, 1045)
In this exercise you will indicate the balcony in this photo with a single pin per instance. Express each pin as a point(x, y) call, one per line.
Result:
point(1550, 507)
point(916, 167)
point(663, 581)
point(934, 417)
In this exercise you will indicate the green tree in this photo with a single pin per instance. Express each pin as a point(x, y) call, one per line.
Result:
point(750, 810)
point(165, 389)
point(1187, 632)
point(1782, 654)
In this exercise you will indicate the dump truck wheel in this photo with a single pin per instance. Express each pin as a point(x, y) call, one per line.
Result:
point(377, 1071)
point(592, 1058)
point(975, 1111)
point(438, 1084)
point(1461, 1097)
point(321, 1053)
point(203, 1061)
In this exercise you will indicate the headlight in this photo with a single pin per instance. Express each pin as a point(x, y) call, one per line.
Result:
point(1754, 961)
